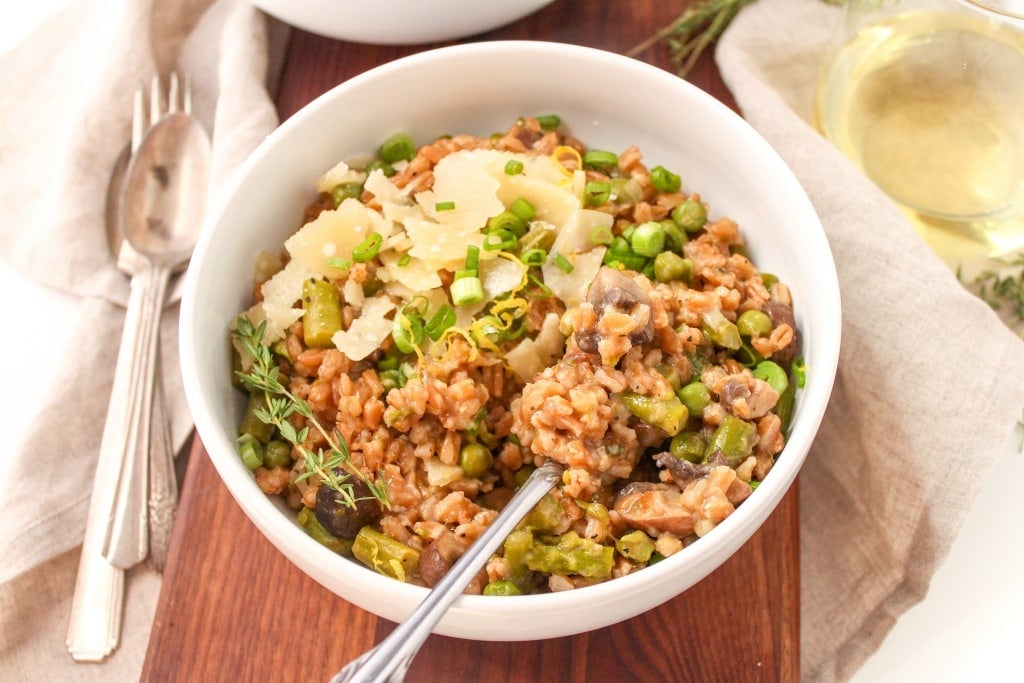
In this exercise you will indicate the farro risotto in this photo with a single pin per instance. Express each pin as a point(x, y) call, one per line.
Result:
point(447, 318)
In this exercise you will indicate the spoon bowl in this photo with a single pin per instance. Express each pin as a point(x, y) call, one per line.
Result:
point(165, 190)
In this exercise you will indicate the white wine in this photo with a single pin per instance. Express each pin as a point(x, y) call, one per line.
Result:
point(930, 105)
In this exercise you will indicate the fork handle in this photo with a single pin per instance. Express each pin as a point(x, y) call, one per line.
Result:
point(94, 628)
point(128, 539)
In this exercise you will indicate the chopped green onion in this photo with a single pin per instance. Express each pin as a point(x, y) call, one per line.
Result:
point(388, 363)
point(626, 261)
point(459, 274)
point(690, 215)
point(251, 451)
point(675, 237)
point(513, 167)
point(523, 210)
point(534, 257)
point(626, 191)
point(549, 121)
point(602, 235)
point(545, 291)
point(368, 248)
point(506, 221)
point(444, 206)
point(800, 372)
point(440, 321)
point(343, 191)
point(467, 290)
point(339, 263)
point(620, 245)
point(498, 240)
point(665, 180)
point(472, 258)
point(648, 239)
point(404, 260)
point(596, 193)
point(407, 332)
point(398, 147)
point(563, 264)
point(600, 159)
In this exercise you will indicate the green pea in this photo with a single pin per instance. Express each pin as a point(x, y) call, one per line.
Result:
point(475, 460)
point(690, 215)
point(344, 191)
point(688, 446)
point(502, 587)
point(669, 267)
point(696, 397)
point(277, 454)
point(754, 323)
point(772, 372)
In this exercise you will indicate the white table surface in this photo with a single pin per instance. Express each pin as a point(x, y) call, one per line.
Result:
point(968, 628)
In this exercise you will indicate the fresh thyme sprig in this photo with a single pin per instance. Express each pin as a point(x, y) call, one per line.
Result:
point(281, 404)
point(689, 34)
point(1003, 286)
point(699, 25)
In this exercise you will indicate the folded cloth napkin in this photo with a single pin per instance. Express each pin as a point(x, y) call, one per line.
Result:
point(930, 381)
point(66, 103)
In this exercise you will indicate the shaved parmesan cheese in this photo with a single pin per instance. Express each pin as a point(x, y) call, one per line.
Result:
point(417, 275)
point(384, 190)
point(531, 356)
point(368, 331)
point(279, 296)
point(334, 233)
point(572, 287)
point(577, 232)
point(462, 179)
point(433, 242)
point(440, 474)
point(339, 175)
point(554, 203)
point(500, 275)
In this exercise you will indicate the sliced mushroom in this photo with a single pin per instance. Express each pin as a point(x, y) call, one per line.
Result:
point(614, 292)
point(781, 314)
point(654, 509)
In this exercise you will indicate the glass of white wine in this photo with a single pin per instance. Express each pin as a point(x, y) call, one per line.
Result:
point(927, 98)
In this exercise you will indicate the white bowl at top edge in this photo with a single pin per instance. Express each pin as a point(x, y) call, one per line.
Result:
point(607, 101)
point(398, 22)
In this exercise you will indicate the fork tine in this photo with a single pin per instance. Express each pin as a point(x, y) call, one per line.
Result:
point(172, 93)
point(187, 95)
point(138, 118)
point(154, 101)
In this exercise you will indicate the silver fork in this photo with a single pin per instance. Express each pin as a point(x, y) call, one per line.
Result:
point(94, 628)
point(147, 491)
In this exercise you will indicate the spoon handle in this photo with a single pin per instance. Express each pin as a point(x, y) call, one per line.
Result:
point(128, 539)
point(94, 628)
point(390, 659)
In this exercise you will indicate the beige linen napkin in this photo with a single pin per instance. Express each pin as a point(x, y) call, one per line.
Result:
point(65, 103)
point(930, 381)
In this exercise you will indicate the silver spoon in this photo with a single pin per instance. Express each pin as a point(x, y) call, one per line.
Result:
point(162, 210)
point(390, 659)
point(163, 485)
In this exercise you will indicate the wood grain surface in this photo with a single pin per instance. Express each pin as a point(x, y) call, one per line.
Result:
point(233, 608)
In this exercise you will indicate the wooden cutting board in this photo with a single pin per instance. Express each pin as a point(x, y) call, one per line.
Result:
point(233, 608)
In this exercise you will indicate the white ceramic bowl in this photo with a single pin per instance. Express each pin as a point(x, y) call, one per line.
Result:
point(398, 22)
point(609, 102)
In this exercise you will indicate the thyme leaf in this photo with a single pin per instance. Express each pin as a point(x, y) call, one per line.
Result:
point(331, 466)
point(1002, 288)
